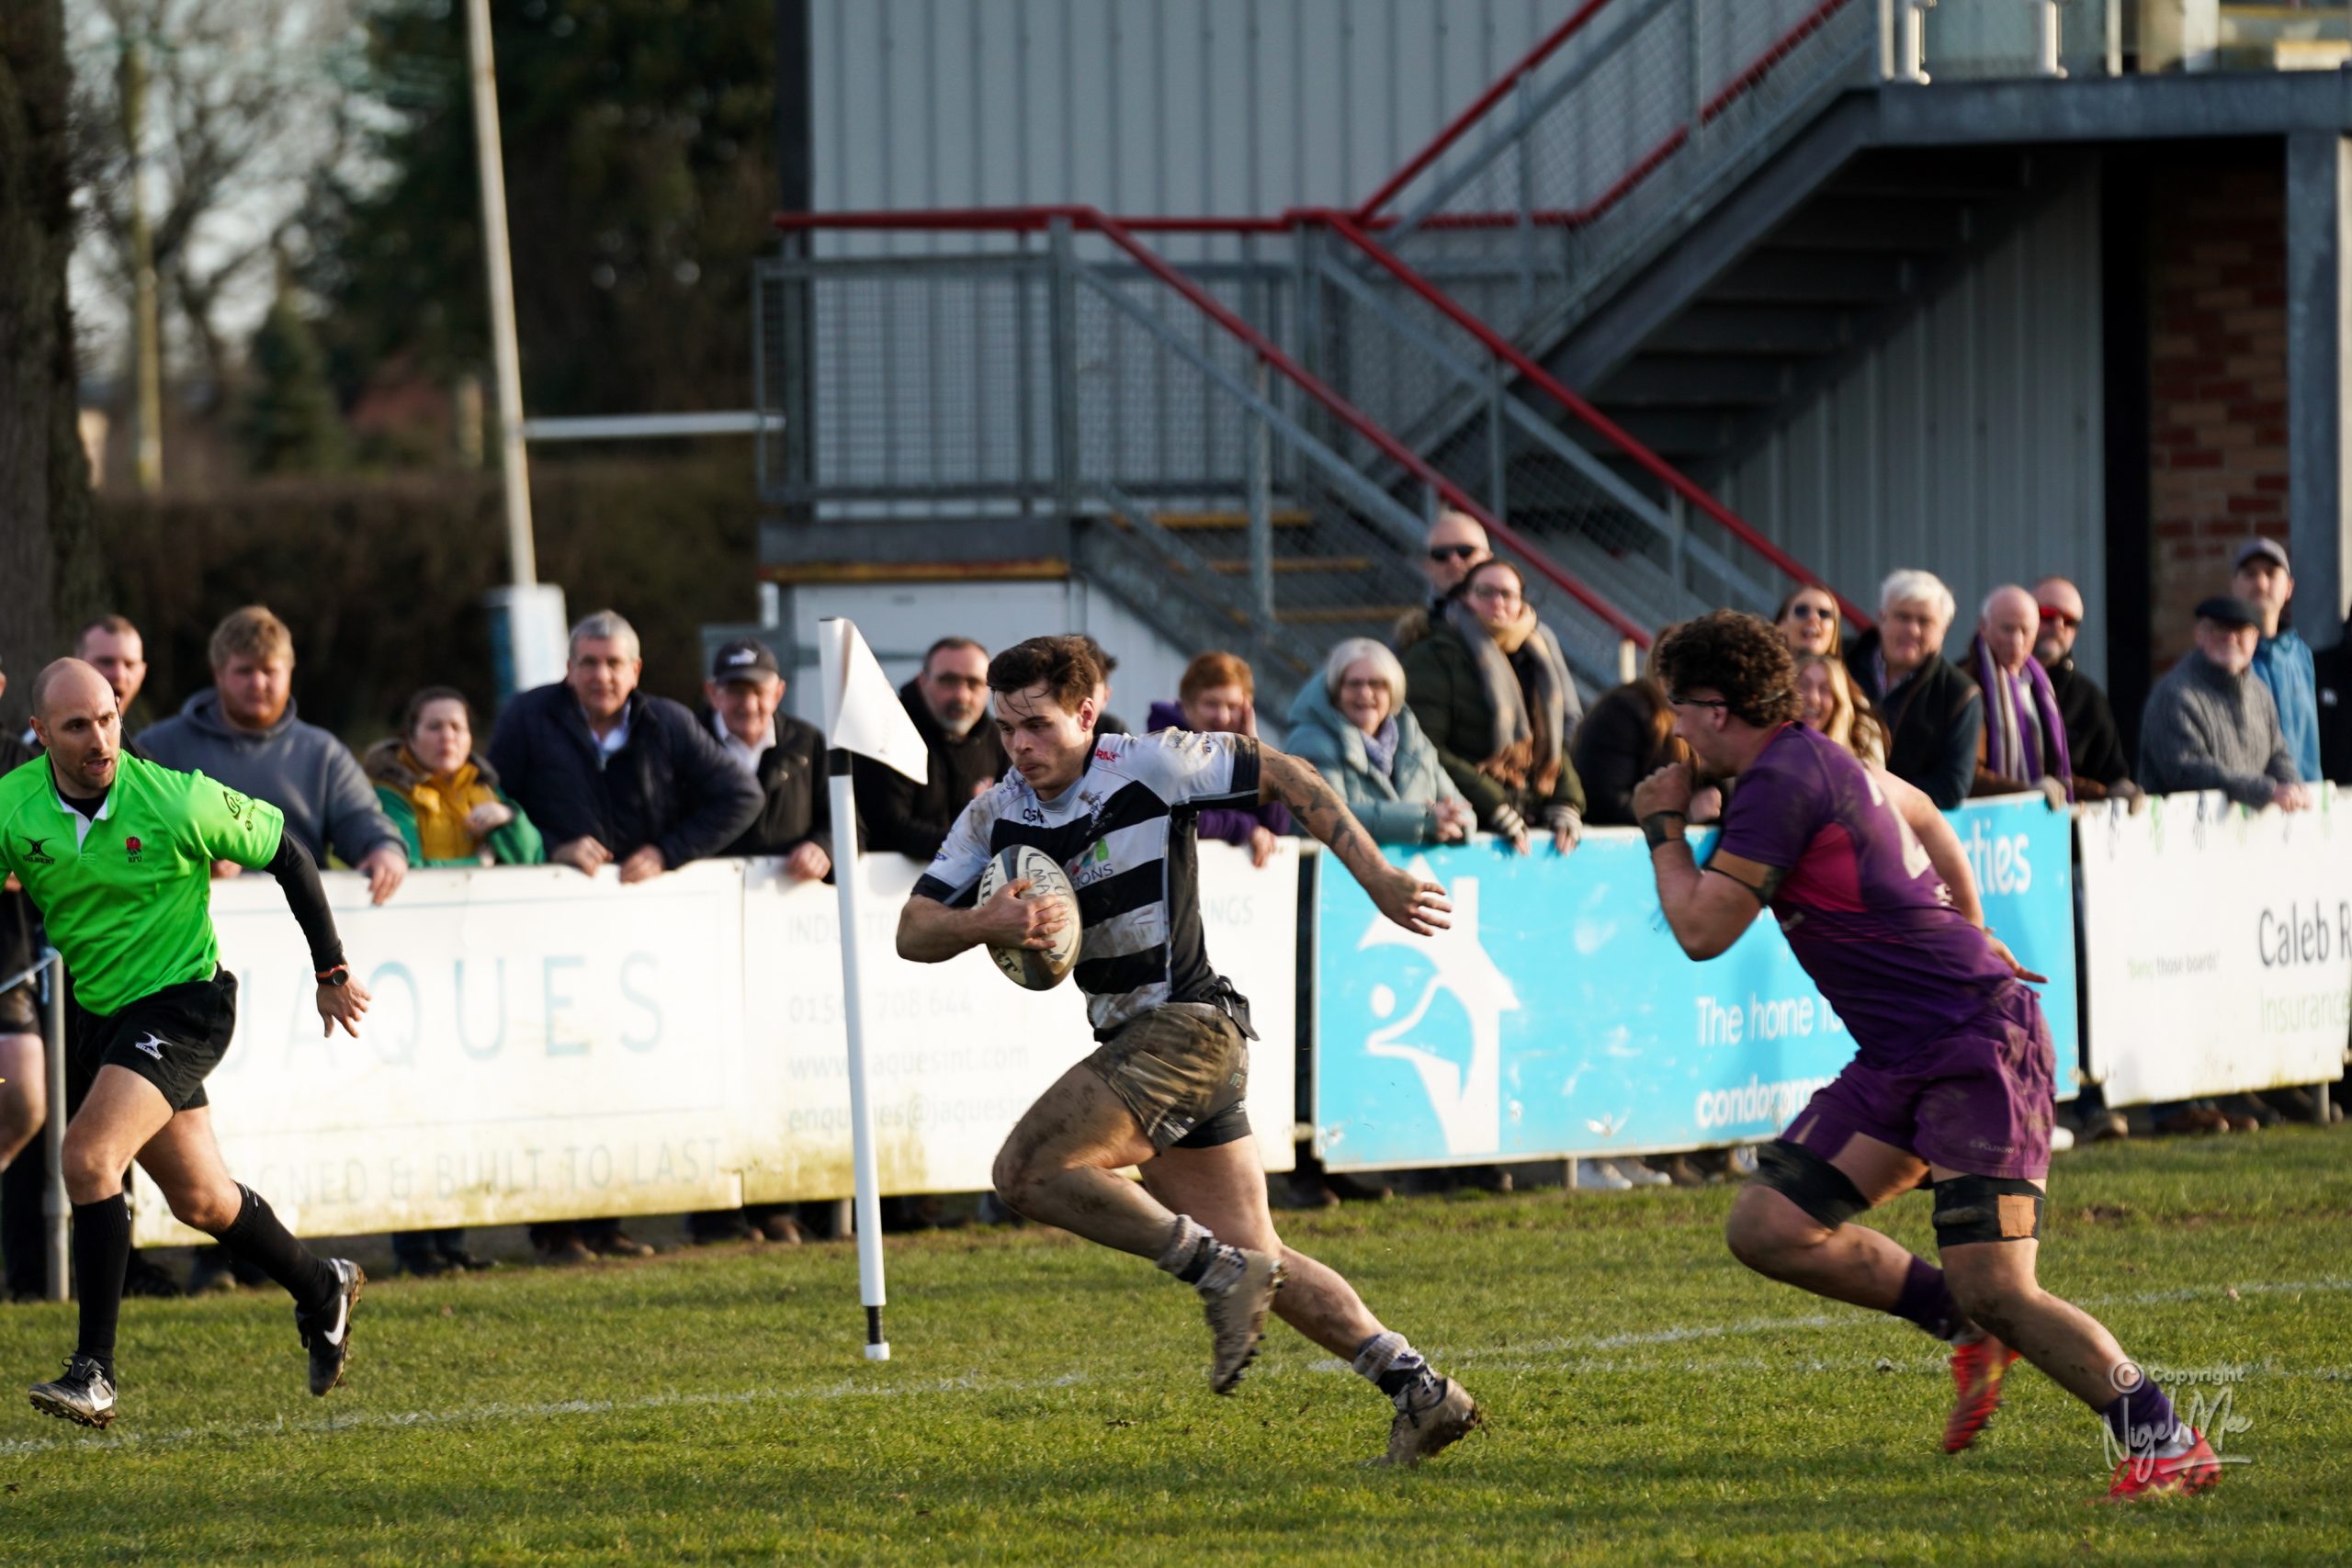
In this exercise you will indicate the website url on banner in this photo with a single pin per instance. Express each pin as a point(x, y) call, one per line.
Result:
point(1776, 1103)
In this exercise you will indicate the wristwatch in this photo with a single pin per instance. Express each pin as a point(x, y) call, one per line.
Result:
point(338, 976)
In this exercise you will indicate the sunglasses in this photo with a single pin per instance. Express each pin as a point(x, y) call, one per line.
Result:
point(1811, 613)
point(1451, 552)
point(2060, 618)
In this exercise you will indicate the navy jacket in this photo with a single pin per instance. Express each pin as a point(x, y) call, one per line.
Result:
point(671, 784)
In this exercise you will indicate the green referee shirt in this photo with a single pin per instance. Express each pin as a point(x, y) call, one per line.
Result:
point(128, 898)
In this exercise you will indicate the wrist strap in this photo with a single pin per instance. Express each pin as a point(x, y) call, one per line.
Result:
point(1654, 828)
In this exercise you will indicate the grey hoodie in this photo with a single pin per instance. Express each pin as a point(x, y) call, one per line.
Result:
point(296, 767)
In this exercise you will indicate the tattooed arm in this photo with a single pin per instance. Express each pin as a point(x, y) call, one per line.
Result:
point(1419, 907)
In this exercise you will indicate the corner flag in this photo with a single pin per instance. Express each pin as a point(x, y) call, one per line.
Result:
point(863, 714)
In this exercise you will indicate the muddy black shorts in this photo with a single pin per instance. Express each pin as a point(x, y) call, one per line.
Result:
point(173, 1038)
point(1184, 1071)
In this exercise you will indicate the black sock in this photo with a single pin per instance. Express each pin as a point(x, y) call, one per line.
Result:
point(256, 1237)
point(101, 1247)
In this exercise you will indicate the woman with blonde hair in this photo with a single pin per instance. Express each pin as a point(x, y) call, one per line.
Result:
point(1809, 622)
point(1828, 701)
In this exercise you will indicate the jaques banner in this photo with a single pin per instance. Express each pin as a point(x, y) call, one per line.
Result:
point(1558, 1017)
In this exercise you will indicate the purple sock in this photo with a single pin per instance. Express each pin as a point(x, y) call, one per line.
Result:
point(1927, 1300)
point(2141, 1419)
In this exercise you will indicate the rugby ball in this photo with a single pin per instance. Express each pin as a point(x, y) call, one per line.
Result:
point(1038, 969)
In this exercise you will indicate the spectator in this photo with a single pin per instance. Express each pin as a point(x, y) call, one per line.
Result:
point(1352, 724)
point(1932, 712)
point(784, 756)
point(1493, 693)
point(1809, 621)
point(2282, 659)
point(2022, 744)
point(1826, 701)
point(112, 646)
point(443, 796)
point(2331, 669)
point(1218, 696)
point(615, 777)
point(24, 1097)
point(949, 702)
point(787, 757)
point(1105, 722)
point(2092, 742)
point(1456, 542)
point(2209, 723)
point(444, 799)
point(1628, 736)
point(243, 731)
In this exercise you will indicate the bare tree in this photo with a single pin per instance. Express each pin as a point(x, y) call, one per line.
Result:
point(245, 113)
point(47, 559)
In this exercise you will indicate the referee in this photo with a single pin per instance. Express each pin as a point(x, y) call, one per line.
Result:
point(117, 853)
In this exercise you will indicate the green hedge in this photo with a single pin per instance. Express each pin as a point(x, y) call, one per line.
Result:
point(382, 578)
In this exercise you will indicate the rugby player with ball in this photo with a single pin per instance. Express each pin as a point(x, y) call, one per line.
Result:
point(1081, 860)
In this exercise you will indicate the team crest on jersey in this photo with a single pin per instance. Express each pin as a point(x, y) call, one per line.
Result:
point(35, 853)
point(132, 847)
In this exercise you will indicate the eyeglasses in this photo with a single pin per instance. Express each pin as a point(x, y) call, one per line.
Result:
point(1442, 553)
point(1679, 700)
point(2053, 616)
point(1811, 613)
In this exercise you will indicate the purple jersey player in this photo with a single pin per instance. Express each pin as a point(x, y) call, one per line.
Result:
point(1951, 1074)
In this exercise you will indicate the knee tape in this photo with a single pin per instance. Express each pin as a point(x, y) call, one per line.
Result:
point(1986, 1207)
point(1811, 1183)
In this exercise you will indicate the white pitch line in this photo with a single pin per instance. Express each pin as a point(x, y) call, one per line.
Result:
point(1532, 1355)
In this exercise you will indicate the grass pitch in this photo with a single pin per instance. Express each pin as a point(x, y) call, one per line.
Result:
point(1649, 1400)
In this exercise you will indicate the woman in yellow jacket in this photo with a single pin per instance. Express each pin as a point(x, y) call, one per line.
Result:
point(445, 800)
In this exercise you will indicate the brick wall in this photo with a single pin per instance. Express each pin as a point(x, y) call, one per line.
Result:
point(2217, 362)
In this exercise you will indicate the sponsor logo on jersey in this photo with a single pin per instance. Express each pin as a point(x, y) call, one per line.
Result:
point(235, 802)
point(152, 1044)
point(35, 853)
point(1104, 754)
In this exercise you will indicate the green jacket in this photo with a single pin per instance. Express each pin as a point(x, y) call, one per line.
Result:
point(517, 843)
point(1397, 807)
point(1442, 688)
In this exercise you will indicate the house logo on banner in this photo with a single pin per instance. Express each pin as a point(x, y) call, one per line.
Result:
point(1465, 1099)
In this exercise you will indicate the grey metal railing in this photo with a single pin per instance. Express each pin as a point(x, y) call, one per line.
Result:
point(49, 970)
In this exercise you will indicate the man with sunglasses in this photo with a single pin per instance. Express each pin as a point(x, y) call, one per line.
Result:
point(1952, 1076)
point(1456, 543)
point(2100, 768)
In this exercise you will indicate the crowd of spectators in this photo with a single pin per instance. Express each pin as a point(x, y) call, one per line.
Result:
point(1468, 719)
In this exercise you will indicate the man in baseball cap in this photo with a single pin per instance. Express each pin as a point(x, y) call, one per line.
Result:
point(2281, 659)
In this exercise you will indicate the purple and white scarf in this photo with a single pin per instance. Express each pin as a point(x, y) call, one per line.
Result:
point(2025, 734)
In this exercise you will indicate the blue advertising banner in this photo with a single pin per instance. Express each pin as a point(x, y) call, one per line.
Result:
point(1559, 1018)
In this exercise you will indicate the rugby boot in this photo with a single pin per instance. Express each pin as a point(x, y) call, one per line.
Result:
point(85, 1393)
point(2145, 1476)
point(1430, 1419)
point(327, 1334)
point(1978, 1366)
point(1236, 1313)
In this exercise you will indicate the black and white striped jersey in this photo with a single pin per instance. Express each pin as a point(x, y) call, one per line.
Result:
point(1125, 833)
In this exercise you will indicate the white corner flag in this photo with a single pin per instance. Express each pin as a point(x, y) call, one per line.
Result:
point(863, 714)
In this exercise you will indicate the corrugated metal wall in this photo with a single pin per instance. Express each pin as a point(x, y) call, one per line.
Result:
point(1213, 107)
point(1970, 443)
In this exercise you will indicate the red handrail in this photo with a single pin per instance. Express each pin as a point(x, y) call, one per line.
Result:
point(1031, 218)
point(1495, 93)
point(1602, 424)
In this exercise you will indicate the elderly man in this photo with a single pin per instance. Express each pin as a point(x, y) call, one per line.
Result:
point(2209, 722)
point(2023, 744)
point(1456, 543)
point(949, 702)
point(784, 755)
point(2093, 744)
point(2281, 659)
point(616, 777)
point(243, 732)
point(1933, 712)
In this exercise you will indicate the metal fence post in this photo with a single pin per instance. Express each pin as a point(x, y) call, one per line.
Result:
point(1258, 460)
point(1062, 297)
point(56, 1212)
point(1498, 440)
